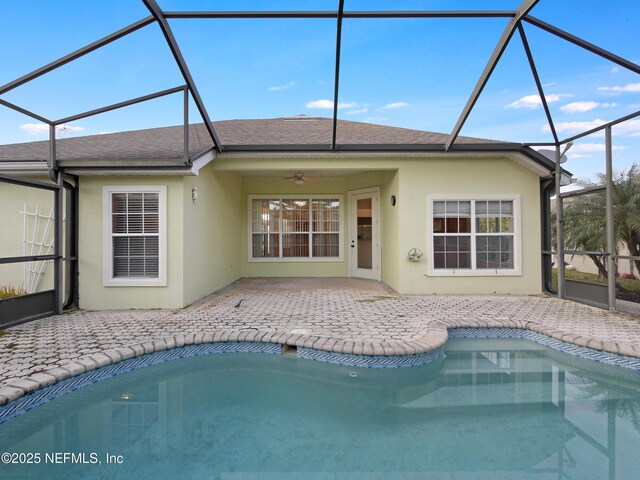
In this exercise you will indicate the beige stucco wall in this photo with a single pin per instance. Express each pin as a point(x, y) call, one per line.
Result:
point(13, 199)
point(207, 240)
point(419, 178)
point(93, 295)
point(404, 226)
point(212, 231)
point(203, 251)
point(334, 185)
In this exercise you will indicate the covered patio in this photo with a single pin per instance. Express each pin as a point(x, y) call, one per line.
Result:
point(341, 315)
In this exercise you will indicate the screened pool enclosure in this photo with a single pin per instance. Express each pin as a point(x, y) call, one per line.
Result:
point(330, 35)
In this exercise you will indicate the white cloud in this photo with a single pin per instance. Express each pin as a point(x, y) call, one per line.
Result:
point(360, 110)
point(575, 127)
point(395, 105)
point(615, 69)
point(592, 147)
point(581, 107)
point(328, 104)
point(550, 84)
point(628, 88)
point(41, 129)
point(534, 101)
point(346, 105)
point(35, 128)
point(584, 150)
point(104, 133)
point(67, 129)
point(277, 88)
point(630, 128)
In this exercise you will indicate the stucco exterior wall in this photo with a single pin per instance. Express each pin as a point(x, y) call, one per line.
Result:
point(336, 185)
point(212, 231)
point(13, 199)
point(405, 226)
point(207, 239)
point(419, 178)
point(93, 295)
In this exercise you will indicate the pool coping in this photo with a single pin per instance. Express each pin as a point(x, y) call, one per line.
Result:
point(366, 355)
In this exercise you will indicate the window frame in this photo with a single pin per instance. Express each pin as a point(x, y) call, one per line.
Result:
point(309, 259)
point(108, 279)
point(473, 271)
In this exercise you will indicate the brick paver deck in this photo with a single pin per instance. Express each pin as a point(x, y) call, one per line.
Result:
point(334, 314)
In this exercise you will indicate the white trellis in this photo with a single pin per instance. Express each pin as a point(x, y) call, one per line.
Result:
point(37, 239)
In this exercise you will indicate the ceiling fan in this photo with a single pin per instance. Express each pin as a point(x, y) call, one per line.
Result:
point(299, 178)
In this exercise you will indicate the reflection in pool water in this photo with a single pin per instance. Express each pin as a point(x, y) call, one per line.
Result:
point(490, 409)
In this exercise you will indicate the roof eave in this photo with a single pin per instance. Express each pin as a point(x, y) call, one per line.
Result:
point(22, 167)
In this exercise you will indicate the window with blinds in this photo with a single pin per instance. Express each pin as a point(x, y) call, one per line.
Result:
point(474, 235)
point(135, 232)
point(135, 228)
point(295, 228)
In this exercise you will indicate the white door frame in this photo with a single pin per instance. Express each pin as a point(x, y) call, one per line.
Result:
point(376, 272)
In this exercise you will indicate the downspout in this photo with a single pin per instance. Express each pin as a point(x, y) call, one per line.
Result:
point(559, 223)
point(547, 190)
point(71, 245)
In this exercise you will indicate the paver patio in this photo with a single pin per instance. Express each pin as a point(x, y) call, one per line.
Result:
point(342, 315)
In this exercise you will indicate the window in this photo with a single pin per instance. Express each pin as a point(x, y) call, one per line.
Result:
point(135, 252)
point(295, 228)
point(474, 236)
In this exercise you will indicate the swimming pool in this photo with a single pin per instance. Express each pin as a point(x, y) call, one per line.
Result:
point(491, 408)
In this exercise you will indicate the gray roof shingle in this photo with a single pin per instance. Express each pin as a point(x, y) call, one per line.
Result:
point(165, 144)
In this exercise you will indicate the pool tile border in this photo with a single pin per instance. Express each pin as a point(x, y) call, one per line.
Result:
point(371, 361)
point(601, 356)
point(32, 400)
point(114, 366)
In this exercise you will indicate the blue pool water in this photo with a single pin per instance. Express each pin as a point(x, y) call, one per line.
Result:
point(490, 409)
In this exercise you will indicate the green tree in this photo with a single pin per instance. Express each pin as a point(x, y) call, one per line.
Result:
point(585, 218)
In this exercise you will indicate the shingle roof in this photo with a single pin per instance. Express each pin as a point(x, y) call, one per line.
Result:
point(166, 143)
point(305, 130)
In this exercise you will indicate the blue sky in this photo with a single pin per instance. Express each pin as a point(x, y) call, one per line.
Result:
point(413, 73)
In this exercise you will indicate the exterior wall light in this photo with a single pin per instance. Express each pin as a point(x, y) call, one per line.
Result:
point(393, 200)
point(195, 194)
